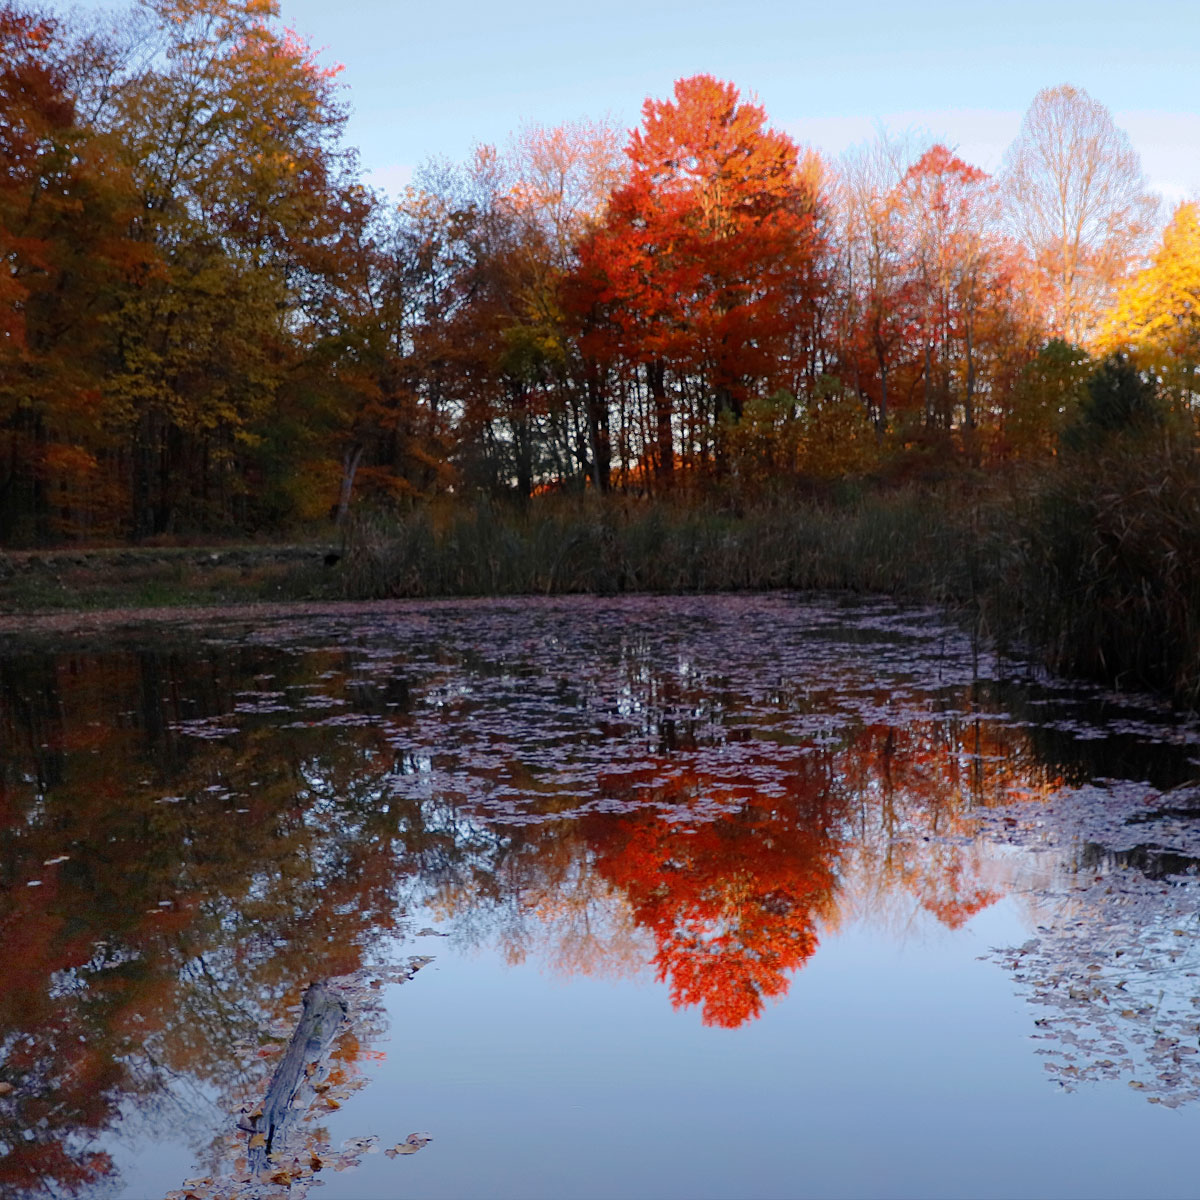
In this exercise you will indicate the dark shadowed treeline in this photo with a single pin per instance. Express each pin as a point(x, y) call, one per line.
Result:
point(209, 326)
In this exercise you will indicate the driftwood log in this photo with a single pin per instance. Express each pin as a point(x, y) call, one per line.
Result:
point(321, 1017)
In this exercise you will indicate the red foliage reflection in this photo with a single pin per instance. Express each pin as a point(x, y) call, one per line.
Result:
point(733, 903)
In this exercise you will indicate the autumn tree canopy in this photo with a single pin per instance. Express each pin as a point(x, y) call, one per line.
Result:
point(209, 325)
point(1079, 201)
point(66, 204)
point(1156, 315)
point(705, 262)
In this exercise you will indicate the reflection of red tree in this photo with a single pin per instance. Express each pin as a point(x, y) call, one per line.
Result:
point(67, 1077)
point(732, 903)
point(29, 1166)
point(947, 884)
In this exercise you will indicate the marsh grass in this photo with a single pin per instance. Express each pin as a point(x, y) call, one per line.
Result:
point(1091, 562)
point(895, 542)
point(1097, 565)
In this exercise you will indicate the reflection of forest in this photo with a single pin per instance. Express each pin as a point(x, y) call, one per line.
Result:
point(192, 834)
point(199, 886)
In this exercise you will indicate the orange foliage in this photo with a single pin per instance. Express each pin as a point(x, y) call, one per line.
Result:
point(707, 256)
point(733, 903)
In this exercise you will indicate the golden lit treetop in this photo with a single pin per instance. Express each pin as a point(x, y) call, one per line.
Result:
point(1159, 309)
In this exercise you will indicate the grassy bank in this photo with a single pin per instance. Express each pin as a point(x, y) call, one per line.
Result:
point(149, 577)
point(1091, 561)
point(1096, 565)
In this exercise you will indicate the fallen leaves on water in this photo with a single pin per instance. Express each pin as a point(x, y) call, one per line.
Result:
point(1116, 1004)
point(410, 1145)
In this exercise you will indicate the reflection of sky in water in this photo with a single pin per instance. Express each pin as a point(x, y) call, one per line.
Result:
point(572, 790)
point(888, 1070)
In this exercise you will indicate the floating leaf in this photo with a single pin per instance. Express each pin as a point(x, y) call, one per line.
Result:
point(410, 1145)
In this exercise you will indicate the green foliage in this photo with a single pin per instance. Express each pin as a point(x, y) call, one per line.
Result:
point(761, 449)
point(1047, 398)
point(1119, 400)
point(840, 439)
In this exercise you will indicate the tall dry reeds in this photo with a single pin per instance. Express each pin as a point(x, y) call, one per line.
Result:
point(1095, 563)
point(900, 542)
point(1091, 561)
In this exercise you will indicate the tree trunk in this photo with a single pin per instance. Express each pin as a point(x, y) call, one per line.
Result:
point(598, 432)
point(882, 419)
point(523, 446)
point(928, 389)
point(321, 1017)
point(141, 493)
point(350, 463)
point(665, 462)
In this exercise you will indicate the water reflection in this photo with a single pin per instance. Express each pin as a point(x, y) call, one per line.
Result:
point(194, 828)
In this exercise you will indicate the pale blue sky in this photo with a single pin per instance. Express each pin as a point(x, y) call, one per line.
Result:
point(430, 79)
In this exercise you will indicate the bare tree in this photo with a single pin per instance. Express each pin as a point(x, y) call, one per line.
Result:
point(561, 178)
point(1077, 198)
point(871, 267)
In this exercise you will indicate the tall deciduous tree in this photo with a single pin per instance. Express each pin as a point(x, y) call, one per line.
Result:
point(944, 205)
point(562, 178)
point(875, 308)
point(694, 272)
point(1078, 200)
point(231, 133)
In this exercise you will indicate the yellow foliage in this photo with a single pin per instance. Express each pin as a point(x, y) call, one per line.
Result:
point(775, 439)
point(839, 440)
point(1156, 316)
point(313, 490)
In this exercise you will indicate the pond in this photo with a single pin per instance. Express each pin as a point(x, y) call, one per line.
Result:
point(724, 896)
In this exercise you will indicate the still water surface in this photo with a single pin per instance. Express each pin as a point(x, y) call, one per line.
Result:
point(710, 897)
